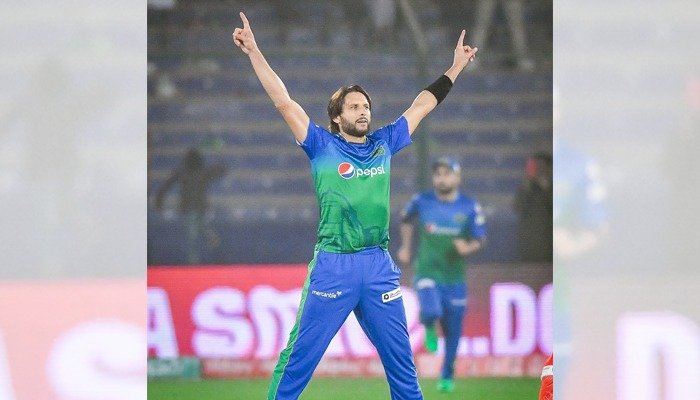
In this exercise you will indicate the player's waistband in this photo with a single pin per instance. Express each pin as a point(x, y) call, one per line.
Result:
point(366, 250)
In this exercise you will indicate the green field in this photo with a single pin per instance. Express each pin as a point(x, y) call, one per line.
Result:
point(343, 389)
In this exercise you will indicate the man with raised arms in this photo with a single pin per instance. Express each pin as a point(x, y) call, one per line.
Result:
point(351, 270)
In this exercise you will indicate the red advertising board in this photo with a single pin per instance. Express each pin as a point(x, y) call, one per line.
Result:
point(72, 340)
point(237, 319)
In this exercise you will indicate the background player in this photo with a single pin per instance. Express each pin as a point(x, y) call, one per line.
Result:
point(547, 379)
point(451, 228)
point(352, 269)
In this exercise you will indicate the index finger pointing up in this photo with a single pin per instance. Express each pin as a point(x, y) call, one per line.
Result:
point(246, 24)
point(460, 42)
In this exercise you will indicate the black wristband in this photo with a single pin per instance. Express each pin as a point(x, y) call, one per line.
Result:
point(440, 88)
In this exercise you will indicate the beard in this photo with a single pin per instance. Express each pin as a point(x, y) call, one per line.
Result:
point(351, 129)
point(445, 190)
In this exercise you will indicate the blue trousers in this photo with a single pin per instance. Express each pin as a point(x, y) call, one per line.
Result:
point(447, 303)
point(366, 283)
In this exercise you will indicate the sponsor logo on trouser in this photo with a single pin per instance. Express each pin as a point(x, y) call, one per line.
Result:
point(393, 295)
point(329, 295)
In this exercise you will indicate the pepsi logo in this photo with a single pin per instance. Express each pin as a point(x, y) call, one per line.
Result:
point(346, 170)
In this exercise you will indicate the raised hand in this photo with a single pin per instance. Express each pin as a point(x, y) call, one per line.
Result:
point(463, 53)
point(243, 37)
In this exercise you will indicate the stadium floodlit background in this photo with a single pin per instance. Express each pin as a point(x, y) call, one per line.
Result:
point(261, 223)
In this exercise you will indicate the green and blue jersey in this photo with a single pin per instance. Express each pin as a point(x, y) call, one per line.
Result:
point(439, 223)
point(352, 185)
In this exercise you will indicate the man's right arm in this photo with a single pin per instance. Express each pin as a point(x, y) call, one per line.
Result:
point(406, 234)
point(293, 114)
point(427, 99)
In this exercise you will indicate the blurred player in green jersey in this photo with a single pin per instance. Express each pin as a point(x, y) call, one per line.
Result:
point(451, 227)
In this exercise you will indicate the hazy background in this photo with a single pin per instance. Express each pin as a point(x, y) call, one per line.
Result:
point(627, 74)
point(73, 172)
point(73, 112)
point(72, 195)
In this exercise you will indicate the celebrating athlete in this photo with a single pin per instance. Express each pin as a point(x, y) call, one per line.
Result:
point(351, 270)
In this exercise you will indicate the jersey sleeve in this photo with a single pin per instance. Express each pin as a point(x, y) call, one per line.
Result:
point(476, 223)
point(410, 210)
point(395, 134)
point(316, 139)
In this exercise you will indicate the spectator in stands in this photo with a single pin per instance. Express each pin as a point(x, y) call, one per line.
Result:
point(157, 15)
point(194, 178)
point(533, 203)
point(383, 14)
point(451, 227)
point(157, 10)
point(455, 13)
point(515, 16)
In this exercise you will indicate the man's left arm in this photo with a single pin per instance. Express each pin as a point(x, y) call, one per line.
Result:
point(474, 235)
point(466, 247)
point(432, 95)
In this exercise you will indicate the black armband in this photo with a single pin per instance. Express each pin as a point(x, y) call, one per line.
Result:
point(440, 88)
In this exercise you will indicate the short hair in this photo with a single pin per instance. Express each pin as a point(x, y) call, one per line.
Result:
point(335, 105)
point(447, 162)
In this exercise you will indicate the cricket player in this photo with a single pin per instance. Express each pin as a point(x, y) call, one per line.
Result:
point(451, 227)
point(351, 270)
